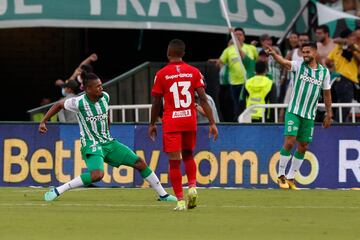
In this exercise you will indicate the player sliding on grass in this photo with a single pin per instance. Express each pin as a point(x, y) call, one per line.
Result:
point(97, 146)
point(310, 78)
point(177, 83)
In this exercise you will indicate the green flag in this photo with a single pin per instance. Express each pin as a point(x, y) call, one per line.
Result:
point(336, 20)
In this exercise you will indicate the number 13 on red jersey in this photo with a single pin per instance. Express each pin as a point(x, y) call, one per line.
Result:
point(184, 86)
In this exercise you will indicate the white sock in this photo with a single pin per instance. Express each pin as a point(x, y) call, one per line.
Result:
point(283, 163)
point(154, 182)
point(76, 182)
point(294, 168)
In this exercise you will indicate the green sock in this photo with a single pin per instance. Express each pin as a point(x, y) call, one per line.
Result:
point(284, 152)
point(299, 156)
point(86, 178)
point(146, 172)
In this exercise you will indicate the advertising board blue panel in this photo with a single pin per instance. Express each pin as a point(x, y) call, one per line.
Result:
point(244, 156)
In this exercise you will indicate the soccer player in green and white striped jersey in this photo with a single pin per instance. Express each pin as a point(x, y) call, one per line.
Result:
point(310, 78)
point(97, 146)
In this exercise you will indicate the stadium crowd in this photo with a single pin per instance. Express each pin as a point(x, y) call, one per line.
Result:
point(247, 87)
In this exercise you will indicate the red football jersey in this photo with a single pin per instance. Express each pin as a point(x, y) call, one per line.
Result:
point(176, 83)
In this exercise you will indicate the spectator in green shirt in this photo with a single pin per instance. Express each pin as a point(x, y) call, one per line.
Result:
point(238, 67)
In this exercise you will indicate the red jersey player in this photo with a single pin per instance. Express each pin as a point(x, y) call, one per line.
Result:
point(177, 83)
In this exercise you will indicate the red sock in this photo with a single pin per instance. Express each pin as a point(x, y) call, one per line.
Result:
point(176, 178)
point(190, 169)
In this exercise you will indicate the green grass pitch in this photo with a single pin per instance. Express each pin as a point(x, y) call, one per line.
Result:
point(122, 213)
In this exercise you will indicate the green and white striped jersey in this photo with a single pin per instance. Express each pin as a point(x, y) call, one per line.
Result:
point(92, 118)
point(308, 83)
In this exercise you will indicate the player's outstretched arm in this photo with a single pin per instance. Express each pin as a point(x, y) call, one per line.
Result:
point(209, 114)
point(92, 58)
point(282, 61)
point(329, 114)
point(51, 112)
point(155, 110)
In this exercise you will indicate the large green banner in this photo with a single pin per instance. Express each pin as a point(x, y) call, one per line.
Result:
point(255, 16)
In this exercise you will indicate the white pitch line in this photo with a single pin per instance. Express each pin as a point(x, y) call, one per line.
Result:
point(292, 207)
point(73, 190)
point(80, 205)
point(42, 189)
point(158, 206)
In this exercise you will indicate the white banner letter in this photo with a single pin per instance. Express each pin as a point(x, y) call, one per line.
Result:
point(155, 7)
point(21, 8)
point(3, 7)
point(122, 7)
point(277, 18)
point(191, 7)
point(241, 15)
point(344, 163)
point(95, 7)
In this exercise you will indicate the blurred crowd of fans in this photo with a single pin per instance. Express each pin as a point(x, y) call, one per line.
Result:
point(267, 82)
point(70, 87)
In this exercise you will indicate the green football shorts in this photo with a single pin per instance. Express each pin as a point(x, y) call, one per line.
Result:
point(300, 127)
point(113, 153)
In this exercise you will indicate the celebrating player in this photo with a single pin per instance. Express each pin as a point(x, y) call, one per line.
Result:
point(310, 78)
point(97, 146)
point(177, 83)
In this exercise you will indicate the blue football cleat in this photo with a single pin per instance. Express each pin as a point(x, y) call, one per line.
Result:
point(51, 195)
point(167, 198)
